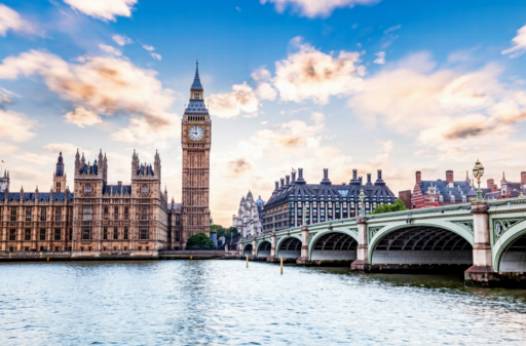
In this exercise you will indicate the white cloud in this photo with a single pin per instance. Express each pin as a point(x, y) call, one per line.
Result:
point(379, 58)
point(144, 131)
point(103, 9)
point(442, 108)
point(265, 91)
point(121, 40)
point(68, 149)
point(105, 85)
point(306, 74)
point(151, 50)
point(6, 97)
point(11, 20)
point(315, 8)
point(518, 43)
point(15, 126)
point(312, 74)
point(110, 50)
point(241, 100)
point(82, 117)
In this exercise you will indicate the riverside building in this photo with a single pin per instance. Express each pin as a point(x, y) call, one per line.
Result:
point(295, 203)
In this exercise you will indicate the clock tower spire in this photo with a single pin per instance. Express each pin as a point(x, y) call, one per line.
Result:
point(196, 139)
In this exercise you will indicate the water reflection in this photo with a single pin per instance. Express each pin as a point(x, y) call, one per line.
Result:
point(222, 302)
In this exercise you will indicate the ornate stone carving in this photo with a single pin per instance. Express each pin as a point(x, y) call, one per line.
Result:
point(500, 226)
point(467, 224)
point(373, 230)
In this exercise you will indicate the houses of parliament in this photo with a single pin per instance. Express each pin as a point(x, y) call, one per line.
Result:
point(98, 219)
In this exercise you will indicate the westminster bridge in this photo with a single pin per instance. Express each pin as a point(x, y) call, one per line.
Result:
point(488, 238)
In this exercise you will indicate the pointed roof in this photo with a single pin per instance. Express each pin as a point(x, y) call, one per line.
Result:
point(196, 85)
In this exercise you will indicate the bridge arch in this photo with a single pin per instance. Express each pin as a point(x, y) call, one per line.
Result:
point(263, 250)
point(289, 247)
point(333, 245)
point(509, 254)
point(247, 250)
point(421, 244)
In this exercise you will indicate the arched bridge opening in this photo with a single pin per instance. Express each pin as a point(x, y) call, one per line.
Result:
point(422, 248)
point(247, 250)
point(264, 249)
point(334, 247)
point(513, 258)
point(290, 248)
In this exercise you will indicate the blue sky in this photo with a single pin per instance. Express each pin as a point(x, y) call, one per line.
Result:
point(392, 85)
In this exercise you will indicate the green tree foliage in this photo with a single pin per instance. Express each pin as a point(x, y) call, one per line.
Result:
point(199, 241)
point(386, 208)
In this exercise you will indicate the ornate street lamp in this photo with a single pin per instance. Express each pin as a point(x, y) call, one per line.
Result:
point(361, 197)
point(478, 172)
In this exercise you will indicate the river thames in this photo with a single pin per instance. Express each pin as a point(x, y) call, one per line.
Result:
point(224, 303)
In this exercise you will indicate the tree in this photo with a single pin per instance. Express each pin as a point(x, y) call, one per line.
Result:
point(199, 241)
point(386, 208)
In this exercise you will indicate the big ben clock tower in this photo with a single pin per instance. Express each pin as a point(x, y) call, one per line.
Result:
point(196, 138)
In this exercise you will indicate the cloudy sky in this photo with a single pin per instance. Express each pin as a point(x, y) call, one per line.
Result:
point(342, 84)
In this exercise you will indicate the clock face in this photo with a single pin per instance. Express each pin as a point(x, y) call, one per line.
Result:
point(196, 133)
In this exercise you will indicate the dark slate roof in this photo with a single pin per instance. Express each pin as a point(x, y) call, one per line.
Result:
point(89, 169)
point(117, 189)
point(197, 107)
point(145, 170)
point(459, 190)
point(42, 196)
point(344, 192)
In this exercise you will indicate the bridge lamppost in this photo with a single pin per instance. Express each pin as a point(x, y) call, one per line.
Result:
point(361, 197)
point(478, 172)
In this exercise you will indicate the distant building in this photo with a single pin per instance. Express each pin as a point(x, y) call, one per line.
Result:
point(249, 216)
point(295, 203)
point(507, 188)
point(433, 193)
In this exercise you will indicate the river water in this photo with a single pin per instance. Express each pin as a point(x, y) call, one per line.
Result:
point(225, 303)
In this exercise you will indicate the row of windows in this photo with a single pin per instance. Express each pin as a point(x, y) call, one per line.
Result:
point(87, 213)
point(28, 214)
point(41, 235)
point(113, 234)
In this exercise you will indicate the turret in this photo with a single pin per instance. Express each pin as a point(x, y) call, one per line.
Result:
point(59, 178)
point(4, 182)
point(157, 164)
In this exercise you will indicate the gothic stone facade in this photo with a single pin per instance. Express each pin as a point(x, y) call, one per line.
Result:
point(97, 219)
point(249, 216)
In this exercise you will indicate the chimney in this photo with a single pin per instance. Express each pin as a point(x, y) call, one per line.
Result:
point(491, 185)
point(523, 178)
point(287, 180)
point(354, 176)
point(282, 181)
point(325, 177)
point(379, 179)
point(449, 176)
point(300, 176)
point(293, 176)
point(276, 185)
point(368, 178)
point(418, 177)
